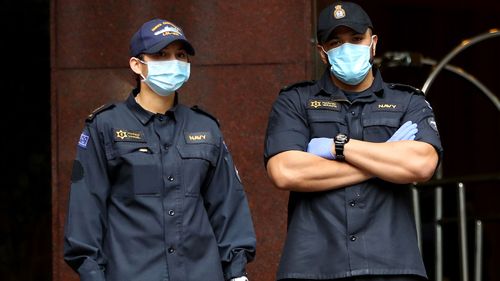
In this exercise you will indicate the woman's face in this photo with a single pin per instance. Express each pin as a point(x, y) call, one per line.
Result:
point(174, 51)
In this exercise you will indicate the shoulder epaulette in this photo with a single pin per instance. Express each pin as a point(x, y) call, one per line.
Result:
point(406, 88)
point(98, 110)
point(199, 110)
point(297, 85)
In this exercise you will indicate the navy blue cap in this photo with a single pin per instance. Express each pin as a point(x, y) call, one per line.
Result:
point(155, 35)
point(342, 14)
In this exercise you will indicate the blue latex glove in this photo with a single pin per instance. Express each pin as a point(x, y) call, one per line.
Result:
point(321, 147)
point(407, 131)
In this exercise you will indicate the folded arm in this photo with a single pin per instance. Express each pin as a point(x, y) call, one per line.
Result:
point(296, 170)
point(397, 162)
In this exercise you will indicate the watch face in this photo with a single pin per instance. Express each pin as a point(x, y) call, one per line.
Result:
point(341, 138)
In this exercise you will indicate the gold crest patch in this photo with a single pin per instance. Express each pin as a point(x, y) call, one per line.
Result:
point(126, 135)
point(323, 104)
point(338, 13)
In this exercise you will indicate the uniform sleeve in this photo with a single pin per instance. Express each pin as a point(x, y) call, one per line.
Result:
point(420, 112)
point(86, 218)
point(229, 215)
point(287, 127)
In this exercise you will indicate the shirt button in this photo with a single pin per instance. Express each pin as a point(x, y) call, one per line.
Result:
point(170, 178)
point(171, 250)
point(353, 238)
point(171, 212)
point(353, 113)
point(352, 203)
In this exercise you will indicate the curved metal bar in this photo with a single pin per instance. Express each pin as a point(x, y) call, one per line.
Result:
point(405, 59)
point(464, 45)
point(438, 192)
point(459, 71)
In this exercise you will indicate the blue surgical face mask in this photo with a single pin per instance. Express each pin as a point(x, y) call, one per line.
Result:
point(350, 63)
point(165, 77)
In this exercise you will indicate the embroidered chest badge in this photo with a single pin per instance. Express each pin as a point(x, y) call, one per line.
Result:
point(323, 104)
point(126, 135)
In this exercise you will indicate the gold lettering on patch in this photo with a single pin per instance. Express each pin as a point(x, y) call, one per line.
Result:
point(385, 105)
point(133, 135)
point(323, 104)
point(198, 137)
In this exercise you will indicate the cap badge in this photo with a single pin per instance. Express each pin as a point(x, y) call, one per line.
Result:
point(166, 28)
point(339, 12)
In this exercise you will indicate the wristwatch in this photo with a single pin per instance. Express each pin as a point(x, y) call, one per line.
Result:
point(340, 140)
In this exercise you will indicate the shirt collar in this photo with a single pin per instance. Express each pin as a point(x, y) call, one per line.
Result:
point(142, 114)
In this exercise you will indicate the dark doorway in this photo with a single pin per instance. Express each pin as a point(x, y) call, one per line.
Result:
point(25, 223)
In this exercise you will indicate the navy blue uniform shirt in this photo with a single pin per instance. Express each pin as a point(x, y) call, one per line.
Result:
point(156, 197)
point(363, 229)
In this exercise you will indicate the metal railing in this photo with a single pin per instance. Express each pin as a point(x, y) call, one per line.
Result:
point(462, 218)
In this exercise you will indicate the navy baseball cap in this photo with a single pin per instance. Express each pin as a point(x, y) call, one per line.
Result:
point(155, 35)
point(342, 14)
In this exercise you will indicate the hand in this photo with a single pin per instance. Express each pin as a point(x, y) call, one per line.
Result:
point(407, 131)
point(321, 147)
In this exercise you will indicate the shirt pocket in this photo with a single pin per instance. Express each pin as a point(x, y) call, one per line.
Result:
point(136, 169)
point(198, 160)
point(380, 126)
point(325, 123)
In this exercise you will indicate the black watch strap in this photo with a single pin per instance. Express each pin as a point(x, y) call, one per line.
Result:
point(339, 152)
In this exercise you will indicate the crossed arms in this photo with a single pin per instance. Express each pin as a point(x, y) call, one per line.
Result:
point(398, 161)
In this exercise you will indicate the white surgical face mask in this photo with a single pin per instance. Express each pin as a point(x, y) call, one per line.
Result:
point(350, 63)
point(165, 77)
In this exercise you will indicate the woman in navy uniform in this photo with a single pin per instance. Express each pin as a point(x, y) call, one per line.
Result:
point(155, 195)
point(347, 146)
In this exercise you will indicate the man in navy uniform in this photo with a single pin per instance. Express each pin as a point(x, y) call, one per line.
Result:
point(347, 147)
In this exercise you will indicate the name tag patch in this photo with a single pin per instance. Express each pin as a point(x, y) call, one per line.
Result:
point(387, 107)
point(323, 104)
point(198, 137)
point(126, 135)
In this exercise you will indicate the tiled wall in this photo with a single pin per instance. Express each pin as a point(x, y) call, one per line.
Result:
point(245, 52)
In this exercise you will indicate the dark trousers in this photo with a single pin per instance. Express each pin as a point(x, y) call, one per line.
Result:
point(368, 278)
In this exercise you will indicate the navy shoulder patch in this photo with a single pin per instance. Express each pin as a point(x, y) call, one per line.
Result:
point(298, 84)
point(199, 110)
point(406, 88)
point(98, 110)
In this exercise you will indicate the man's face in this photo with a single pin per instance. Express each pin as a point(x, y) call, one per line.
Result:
point(344, 34)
